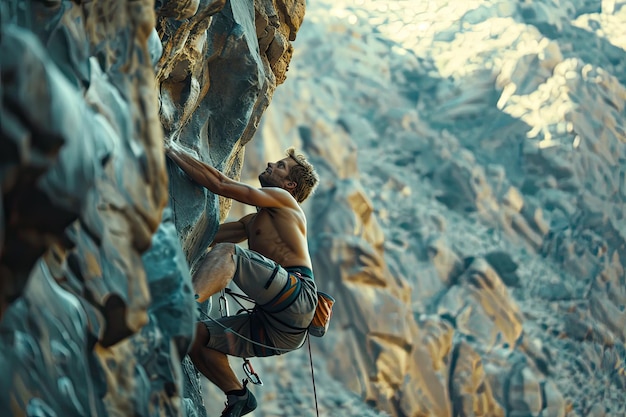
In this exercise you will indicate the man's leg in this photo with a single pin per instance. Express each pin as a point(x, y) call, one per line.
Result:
point(215, 271)
point(211, 363)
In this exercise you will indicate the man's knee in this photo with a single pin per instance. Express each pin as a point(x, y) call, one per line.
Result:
point(220, 253)
point(223, 249)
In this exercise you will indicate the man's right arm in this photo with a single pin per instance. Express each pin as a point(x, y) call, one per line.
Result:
point(218, 183)
point(202, 173)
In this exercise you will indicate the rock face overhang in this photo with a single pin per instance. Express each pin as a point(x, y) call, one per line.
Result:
point(98, 229)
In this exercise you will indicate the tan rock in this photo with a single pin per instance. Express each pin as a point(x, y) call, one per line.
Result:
point(471, 392)
point(482, 306)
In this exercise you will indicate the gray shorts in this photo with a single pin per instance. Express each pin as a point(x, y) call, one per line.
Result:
point(285, 303)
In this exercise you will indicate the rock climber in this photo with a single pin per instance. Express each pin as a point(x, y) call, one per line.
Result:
point(275, 271)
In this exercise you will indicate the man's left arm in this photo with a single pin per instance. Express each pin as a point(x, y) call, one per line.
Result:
point(233, 232)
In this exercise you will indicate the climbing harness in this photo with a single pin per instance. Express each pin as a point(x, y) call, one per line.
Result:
point(230, 330)
point(251, 375)
point(247, 366)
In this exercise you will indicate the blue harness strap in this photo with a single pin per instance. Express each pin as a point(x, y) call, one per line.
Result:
point(286, 297)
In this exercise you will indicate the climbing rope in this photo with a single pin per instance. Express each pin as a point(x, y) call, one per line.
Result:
point(224, 312)
point(317, 411)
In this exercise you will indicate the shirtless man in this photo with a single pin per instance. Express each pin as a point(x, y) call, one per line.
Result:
point(276, 271)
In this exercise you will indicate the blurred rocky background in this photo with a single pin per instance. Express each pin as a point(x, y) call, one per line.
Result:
point(470, 220)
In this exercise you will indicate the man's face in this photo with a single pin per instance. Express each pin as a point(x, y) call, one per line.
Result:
point(275, 175)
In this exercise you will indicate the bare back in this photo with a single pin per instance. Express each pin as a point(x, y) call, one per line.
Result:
point(280, 234)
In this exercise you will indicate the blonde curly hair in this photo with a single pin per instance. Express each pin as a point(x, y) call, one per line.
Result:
point(303, 174)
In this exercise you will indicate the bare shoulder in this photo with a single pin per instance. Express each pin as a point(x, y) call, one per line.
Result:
point(281, 195)
point(247, 218)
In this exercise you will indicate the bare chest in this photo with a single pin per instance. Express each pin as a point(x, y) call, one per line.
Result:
point(262, 228)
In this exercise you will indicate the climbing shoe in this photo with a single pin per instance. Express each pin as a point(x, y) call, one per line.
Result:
point(239, 405)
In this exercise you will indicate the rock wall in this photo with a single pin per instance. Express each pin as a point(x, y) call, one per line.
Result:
point(98, 230)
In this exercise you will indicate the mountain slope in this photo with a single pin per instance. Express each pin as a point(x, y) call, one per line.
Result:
point(471, 213)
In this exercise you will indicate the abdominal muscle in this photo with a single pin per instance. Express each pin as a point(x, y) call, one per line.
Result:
point(287, 248)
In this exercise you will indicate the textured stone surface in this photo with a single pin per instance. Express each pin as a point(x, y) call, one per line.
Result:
point(88, 91)
point(94, 206)
point(217, 74)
